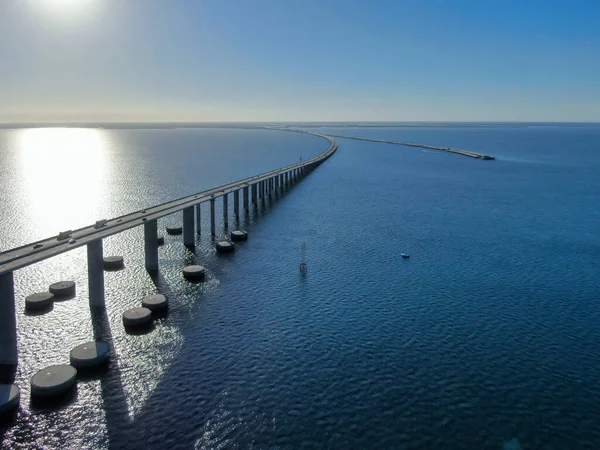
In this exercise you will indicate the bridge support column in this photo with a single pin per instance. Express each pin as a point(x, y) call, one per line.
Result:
point(225, 212)
point(198, 219)
point(151, 245)
point(188, 226)
point(254, 194)
point(9, 355)
point(246, 198)
point(236, 205)
point(95, 260)
point(212, 217)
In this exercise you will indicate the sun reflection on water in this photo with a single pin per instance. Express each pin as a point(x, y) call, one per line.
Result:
point(64, 173)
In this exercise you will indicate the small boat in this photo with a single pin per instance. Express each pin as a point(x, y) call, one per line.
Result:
point(405, 255)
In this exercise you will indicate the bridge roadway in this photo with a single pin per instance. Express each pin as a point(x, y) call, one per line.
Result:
point(20, 257)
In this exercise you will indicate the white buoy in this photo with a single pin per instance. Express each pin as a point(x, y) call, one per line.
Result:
point(10, 396)
point(53, 380)
point(89, 354)
point(63, 289)
point(225, 246)
point(156, 302)
point(193, 272)
point(136, 316)
point(39, 301)
point(113, 262)
point(174, 229)
point(160, 240)
point(239, 235)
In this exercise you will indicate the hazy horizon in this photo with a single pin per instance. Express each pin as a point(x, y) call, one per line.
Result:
point(148, 61)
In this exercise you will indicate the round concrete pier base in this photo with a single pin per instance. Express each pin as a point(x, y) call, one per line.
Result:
point(225, 247)
point(63, 289)
point(10, 396)
point(89, 354)
point(193, 272)
point(113, 263)
point(39, 301)
point(239, 235)
point(160, 240)
point(53, 380)
point(136, 317)
point(174, 229)
point(156, 302)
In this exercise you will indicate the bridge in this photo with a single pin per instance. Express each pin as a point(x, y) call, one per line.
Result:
point(252, 189)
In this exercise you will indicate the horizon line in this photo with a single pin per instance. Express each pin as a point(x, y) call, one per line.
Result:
point(266, 122)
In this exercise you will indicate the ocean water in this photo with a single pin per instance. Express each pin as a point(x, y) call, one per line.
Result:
point(487, 337)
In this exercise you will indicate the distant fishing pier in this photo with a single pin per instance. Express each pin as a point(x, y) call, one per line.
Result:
point(430, 147)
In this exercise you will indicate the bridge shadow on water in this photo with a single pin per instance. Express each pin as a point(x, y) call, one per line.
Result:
point(194, 381)
point(111, 381)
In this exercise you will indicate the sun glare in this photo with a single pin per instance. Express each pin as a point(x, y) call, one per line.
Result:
point(63, 7)
point(64, 172)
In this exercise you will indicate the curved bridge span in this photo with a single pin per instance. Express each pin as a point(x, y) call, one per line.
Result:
point(252, 190)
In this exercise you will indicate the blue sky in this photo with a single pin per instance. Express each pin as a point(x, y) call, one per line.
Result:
point(299, 60)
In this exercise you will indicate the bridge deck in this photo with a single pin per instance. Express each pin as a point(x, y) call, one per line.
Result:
point(23, 256)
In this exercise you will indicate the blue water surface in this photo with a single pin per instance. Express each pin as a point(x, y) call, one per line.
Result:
point(487, 337)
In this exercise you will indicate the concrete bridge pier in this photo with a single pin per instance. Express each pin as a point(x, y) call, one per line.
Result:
point(188, 226)
point(95, 260)
point(246, 199)
point(199, 219)
point(225, 212)
point(212, 217)
point(236, 205)
point(151, 245)
point(254, 190)
point(9, 355)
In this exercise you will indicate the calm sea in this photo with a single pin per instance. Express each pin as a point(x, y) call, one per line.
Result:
point(488, 337)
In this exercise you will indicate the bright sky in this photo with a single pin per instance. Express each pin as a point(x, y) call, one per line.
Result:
point(299, 60)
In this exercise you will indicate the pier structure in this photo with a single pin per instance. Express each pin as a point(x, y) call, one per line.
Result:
point(429, 147)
